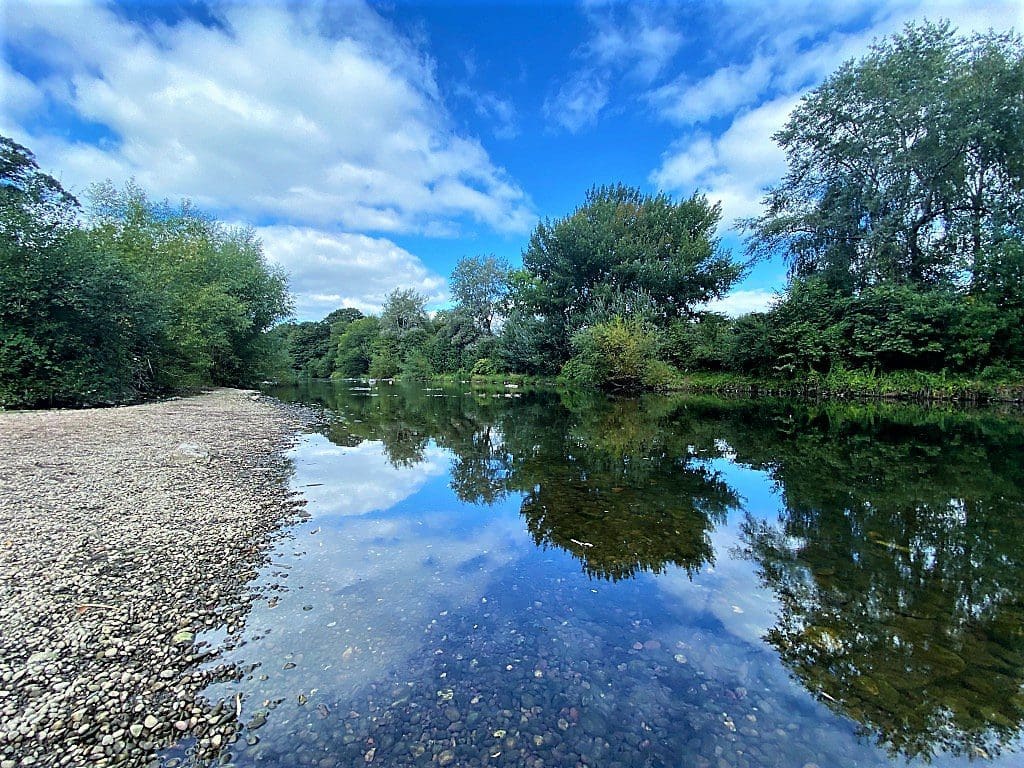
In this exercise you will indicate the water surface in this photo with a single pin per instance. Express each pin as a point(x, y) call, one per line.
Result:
point(552, 580)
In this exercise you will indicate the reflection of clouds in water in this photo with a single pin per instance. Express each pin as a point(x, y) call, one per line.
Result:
point(730, 591)
point(360, 479)
point(363, 593)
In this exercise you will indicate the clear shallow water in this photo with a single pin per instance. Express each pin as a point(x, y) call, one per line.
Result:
point(551, 581)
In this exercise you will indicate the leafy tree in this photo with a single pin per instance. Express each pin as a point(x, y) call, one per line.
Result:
point(313, 346)
point(216, 293)
point(74, 327)
point(404, 330)
point(624, 247)
point(621, 354)
point(904, 166)
point(355, 347)
point(479, 284)
point(457, 342)
point(702, 343)
point(403, 313)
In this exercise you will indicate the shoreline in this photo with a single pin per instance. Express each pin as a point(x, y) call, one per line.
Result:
point(885, 389)
point(125, 533)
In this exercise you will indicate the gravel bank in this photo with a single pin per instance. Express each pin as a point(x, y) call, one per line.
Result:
point(123, 534)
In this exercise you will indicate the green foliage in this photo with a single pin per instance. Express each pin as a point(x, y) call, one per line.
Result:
point(484, 367)
point(622, 248)
point(621, 354)
point(144, 299)
point(904, 166)
point(355, 347)
point(386, 362)
point(479, 284)
point(700, 344)
point(457, 342)
point(886, 328)
point(417, 367)
point(74, 328)
point(403, 314)
point(214, 292)
point(312, 347)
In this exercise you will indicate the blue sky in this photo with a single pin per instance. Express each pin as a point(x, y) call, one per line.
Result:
point(373, 145)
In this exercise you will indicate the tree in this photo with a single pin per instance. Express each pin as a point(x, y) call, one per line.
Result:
point(403, 313)
point(73, 325)
point(479, 283)
point(355, 347)
point(312, 346)
point(216, 294)
point(627, 249)
point(905, 166)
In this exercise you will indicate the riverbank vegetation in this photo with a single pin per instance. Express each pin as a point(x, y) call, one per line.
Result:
point(123, 298)
point(901, 219)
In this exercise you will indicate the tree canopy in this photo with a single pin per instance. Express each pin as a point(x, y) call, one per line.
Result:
point(905, 166)
point(137, 299)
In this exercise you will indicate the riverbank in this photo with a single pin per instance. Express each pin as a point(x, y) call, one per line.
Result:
point(125, 533)
point(905, 386)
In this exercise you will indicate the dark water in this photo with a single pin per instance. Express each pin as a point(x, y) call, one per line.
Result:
point(560, 581)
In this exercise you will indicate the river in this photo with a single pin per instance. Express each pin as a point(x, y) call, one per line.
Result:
point(538, 579)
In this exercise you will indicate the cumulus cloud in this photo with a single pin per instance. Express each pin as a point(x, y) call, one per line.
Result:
point(322, 115)
point(330, 270)
point(734, 167)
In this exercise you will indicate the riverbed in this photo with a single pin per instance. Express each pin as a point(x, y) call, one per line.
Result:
point(563, 579)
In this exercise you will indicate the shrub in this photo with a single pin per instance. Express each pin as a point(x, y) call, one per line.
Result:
point(620, 354)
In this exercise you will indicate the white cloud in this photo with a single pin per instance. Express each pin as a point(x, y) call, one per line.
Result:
point(500, 111)
point(742, 302)
point(734, 167)
point(330, 270)
point(322, 116)
point(717, 94)
point(20, 96)
point(578, 102)
point(633, 42)
point(639, 42)
point(372, 483)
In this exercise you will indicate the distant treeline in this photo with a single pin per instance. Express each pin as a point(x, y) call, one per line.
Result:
point(135, 300)
point(901, 217)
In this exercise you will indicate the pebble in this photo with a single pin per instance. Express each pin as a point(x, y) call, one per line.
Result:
point(109, 520)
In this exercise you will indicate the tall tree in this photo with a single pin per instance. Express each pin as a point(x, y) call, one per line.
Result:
point(73, 325)
point(624, 249)
point(403, 312)
point(478, 284)
point(904, 166)
point(217, 293)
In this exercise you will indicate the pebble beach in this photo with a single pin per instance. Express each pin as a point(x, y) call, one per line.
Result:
point(127, 538)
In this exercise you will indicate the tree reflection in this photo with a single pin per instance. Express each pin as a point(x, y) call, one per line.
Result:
point(617, 483)
point(608, 482)
point(898, 566)
point(896, 559)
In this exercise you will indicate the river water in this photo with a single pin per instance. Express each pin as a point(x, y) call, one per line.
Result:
point(536, 579)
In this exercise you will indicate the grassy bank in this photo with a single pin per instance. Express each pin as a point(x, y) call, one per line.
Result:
point(912, 386)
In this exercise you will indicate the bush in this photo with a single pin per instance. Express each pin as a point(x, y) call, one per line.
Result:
point(484, 367)
point(621, 354)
